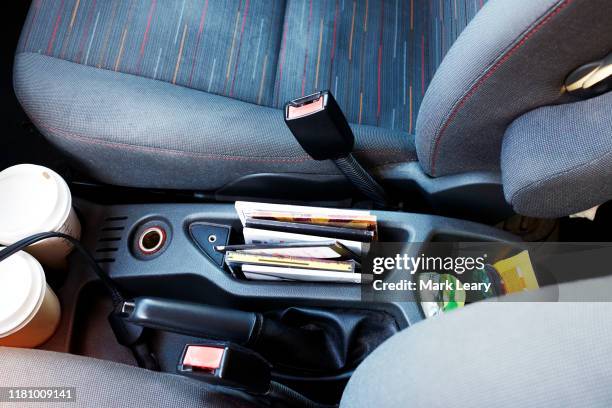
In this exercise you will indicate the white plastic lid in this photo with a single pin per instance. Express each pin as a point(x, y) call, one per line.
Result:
point(34, 199)
point(22, 291)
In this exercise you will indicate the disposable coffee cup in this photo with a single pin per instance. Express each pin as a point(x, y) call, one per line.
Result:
point(29, 309)
point(36, 199)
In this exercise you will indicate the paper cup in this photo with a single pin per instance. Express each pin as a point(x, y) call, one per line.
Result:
point(29, 310)
point(36, 199)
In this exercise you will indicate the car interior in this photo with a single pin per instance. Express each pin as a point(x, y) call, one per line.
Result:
point(449, 121)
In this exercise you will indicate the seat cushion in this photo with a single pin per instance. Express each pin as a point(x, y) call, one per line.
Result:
point(184, 94)
point(377, 57)
point(99, 383)
point(133, 131)
point(92, 78)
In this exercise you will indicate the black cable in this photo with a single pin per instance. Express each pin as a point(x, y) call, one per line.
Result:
point(115, 294)
point(120, 328)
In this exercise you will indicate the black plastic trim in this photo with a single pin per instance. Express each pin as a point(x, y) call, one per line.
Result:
point(184, 273)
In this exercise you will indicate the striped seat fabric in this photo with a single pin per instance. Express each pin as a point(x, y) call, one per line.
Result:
point(228, 48)
point(377, 56)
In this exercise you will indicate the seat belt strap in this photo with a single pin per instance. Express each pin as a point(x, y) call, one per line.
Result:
point(361, 179)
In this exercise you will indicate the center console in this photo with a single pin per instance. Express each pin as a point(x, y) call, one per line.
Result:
point(149, 250)
point(182, 270)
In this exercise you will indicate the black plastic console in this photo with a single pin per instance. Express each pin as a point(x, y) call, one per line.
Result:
point(184, 272)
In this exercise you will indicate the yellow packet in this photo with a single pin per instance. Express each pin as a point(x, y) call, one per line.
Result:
point(517, 273)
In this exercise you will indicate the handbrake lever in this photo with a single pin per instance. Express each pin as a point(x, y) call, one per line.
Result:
point(215, 362)
point(192, 319)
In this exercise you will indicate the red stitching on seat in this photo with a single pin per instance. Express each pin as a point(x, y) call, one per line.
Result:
point(491, 71)
point(151, 149)
point(297, 159)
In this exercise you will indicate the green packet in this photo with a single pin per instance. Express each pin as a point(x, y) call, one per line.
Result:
point(444, 296)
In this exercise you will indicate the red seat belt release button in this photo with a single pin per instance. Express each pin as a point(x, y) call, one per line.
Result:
point(203, 358)
point(227, 365)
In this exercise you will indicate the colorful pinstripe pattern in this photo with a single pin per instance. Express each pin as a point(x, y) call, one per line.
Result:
point(225, 47)
point(377, 56)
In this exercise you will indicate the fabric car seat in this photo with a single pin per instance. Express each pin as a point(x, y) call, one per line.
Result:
point(186, 94)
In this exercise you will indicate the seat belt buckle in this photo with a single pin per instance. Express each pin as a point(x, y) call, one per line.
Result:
point(226, 364)
point(320, 127)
